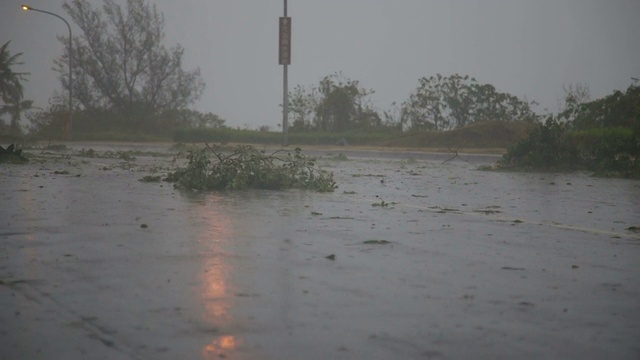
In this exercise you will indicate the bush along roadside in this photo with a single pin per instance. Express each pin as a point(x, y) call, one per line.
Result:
point(611, 151)
point(554, 146)
point(547, 147)
point(247, 168)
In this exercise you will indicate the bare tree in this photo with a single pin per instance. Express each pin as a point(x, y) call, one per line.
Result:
point(575, 96)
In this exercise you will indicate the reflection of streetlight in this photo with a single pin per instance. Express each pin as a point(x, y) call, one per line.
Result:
point(67, 125)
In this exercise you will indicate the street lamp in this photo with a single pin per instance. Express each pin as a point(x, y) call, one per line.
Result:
point(67, 125)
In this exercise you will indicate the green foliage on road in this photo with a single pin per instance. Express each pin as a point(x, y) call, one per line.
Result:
point(247, 168)
point(12, 155)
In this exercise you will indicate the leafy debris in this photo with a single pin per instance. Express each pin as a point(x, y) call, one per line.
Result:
point(376, 242)
point(247, 168)
point(12, 155)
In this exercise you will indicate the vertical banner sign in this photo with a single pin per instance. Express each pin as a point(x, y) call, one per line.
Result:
point(284, 53)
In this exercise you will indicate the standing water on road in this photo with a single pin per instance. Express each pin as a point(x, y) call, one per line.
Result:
point(410, 257)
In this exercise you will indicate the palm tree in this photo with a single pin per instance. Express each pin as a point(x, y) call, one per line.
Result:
point(15, 109)
point(11, 91)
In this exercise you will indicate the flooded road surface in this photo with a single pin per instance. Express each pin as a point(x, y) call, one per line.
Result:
point(410, 258)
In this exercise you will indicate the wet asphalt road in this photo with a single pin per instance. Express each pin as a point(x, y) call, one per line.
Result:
point(409, 258)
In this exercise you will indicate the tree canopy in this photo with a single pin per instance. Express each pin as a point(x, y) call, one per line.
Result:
point(448, 102)
point(121, 65)
point(11, 89)
point(619, 109)
point(336, 104)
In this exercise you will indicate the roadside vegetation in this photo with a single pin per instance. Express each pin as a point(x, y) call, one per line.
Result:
point(12, 102)
point(12, 155)
point(602, 136)
point(130, 86)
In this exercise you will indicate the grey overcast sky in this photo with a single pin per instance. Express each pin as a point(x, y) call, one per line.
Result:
point(529, 48)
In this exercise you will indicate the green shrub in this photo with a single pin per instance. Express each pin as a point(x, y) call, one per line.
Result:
point(609, 150)
point(547, 147)
point(246, 167)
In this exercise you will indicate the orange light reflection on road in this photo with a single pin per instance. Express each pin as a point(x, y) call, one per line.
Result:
point(215, 291)
point(219, 346)
point(27, 201)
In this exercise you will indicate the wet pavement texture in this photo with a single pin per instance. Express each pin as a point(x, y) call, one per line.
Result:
point(410, 258)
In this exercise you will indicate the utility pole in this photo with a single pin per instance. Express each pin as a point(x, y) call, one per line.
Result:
point(284, 55)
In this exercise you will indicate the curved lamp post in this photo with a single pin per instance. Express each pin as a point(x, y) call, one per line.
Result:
point(67, 125)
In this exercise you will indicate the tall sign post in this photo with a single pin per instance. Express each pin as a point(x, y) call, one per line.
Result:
point(284, 59)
